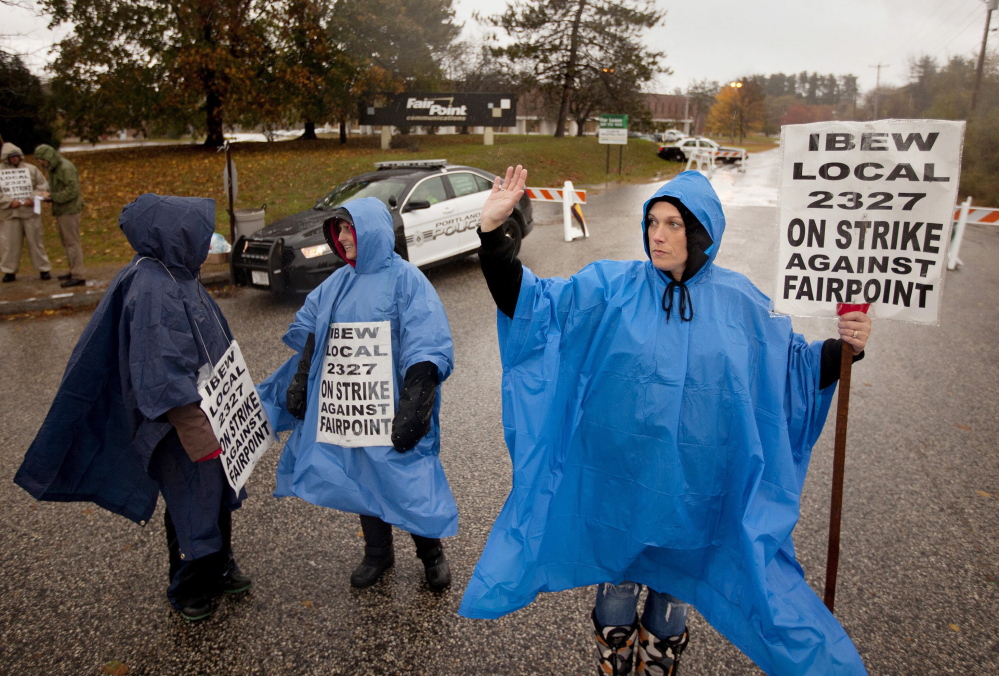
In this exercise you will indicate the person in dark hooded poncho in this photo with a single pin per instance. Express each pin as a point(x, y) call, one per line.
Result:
point(398, 480)
point(126, 422)
point(660, 421)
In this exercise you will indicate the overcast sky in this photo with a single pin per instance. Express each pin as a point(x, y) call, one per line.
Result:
point(725, 39)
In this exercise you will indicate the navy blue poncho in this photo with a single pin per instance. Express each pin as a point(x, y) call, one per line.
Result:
point(408, 490)
point(138, 357)
point(666, 453)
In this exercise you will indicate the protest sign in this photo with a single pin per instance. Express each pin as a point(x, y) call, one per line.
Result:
point(865, 216)
point(16, 183)
point(232, 405)
point(357, 395)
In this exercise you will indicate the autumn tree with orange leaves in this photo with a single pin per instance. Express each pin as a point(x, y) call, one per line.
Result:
point(738, 109)
point(173, 65)
point(128, 63)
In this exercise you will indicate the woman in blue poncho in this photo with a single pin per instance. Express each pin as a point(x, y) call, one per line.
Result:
point(659, 420)
point(363, 396)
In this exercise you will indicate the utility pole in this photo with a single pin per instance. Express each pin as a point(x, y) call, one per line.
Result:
point(877, 86)
point(990, 5)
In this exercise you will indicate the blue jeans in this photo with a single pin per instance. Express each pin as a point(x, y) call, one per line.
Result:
point(664, 615)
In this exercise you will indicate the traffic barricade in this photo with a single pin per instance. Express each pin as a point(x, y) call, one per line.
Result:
point(573, 223)
point(703, 160)
point(964, 215)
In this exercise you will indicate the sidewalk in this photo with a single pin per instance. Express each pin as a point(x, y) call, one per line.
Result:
point(30, 294)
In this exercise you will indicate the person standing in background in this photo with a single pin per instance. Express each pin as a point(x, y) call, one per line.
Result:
point(67, 207)
point(17, 216)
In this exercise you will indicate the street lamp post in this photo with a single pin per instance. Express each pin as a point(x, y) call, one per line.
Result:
point(738, 92)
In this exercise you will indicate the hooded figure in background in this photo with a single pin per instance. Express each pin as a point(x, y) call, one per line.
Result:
point(18, 219)
point(126, 423)
point(366, 435)
point(660, 421)
point(67, 207)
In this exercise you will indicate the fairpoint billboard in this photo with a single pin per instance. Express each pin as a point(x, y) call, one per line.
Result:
point(459, 109)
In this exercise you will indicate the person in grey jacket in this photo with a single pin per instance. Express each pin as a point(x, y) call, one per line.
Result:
point(17, 214)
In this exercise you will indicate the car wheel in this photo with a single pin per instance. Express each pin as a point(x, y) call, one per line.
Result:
point(511, 228)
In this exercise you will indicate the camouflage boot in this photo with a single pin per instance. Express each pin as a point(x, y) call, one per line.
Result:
point(659, 657)
point(615, 647)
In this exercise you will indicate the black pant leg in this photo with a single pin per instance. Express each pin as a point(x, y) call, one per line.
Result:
point(377, 533)
point(426, 547)
point(172, 545)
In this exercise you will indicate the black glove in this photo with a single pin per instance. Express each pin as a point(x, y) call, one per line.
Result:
point(297, 395)
point(416, 406)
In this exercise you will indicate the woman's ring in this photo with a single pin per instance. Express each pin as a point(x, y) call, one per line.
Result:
point(854, 334)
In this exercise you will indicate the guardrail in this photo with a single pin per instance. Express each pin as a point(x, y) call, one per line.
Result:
point(964, 215)
point(573, 223)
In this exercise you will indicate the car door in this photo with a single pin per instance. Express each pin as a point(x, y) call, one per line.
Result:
point(428, 216)
point(470, 192)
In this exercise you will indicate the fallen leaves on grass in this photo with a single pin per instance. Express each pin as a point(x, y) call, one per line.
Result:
point(307, 604)
point(966, 428)
point(984, 494)
point(954, 627)
point(290, 176)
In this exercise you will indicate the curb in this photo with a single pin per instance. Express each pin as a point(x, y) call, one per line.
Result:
point(81, 299)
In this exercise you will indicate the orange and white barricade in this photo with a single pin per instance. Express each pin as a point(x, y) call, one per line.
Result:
point(573, 223)
point(738, 155)
point(962, 216)
point(702, 160)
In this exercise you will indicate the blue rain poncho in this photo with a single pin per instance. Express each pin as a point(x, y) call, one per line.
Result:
point(408, 490)
point(138, 358)
point(669, 453)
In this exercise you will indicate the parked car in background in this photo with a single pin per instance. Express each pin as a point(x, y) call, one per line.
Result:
point(435, 208)
point(681, 150)
point(671, 136)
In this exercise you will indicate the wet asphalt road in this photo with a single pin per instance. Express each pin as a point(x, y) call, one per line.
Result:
point(918, 591)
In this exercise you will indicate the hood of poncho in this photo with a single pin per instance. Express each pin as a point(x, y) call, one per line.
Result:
point(174, 230)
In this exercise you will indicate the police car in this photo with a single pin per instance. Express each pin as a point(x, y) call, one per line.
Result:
point(435, 208)
point(682, 149)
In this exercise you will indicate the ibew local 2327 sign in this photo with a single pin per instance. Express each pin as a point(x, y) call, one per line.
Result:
point(437, 109)
point(865, 216)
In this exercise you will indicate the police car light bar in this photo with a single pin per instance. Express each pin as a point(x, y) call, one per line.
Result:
point(410, 163)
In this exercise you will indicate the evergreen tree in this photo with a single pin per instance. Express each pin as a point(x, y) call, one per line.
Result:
point(580, 51)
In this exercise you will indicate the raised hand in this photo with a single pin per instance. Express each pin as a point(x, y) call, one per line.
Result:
point(504, 197)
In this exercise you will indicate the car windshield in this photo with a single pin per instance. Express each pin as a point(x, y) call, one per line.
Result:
point(383, 189)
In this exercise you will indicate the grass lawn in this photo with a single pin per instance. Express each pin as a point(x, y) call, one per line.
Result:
point(290, 176)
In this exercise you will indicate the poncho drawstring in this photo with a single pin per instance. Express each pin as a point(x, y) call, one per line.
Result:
point(686, 304)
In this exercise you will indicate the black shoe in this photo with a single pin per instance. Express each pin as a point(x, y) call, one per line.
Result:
point(9, 277)
point(437, 570)
point(45, 276)
point(376, 561)
point(63, 278)
point(234, 581)
point(73, 281)
point(196, 609)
